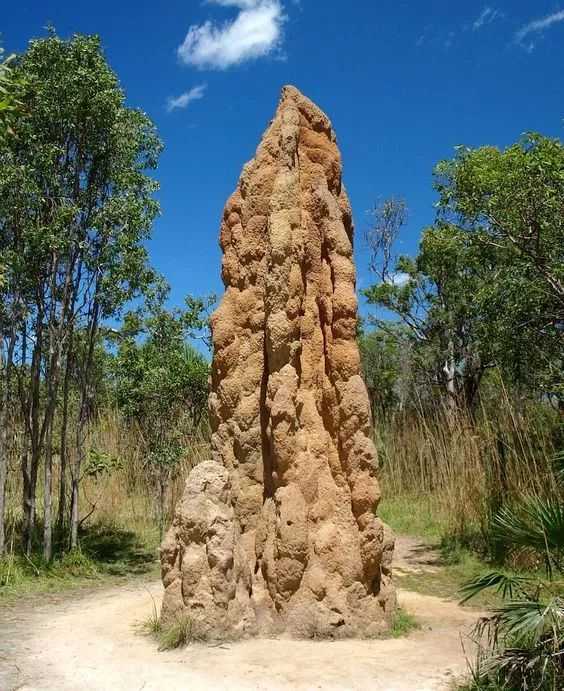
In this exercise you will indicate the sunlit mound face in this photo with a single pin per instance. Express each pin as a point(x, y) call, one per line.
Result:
point(278, 533)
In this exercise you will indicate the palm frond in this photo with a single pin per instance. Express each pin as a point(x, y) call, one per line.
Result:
point(559, 465)
point(530, 667)
point(528, 620)
point(538, 523)
point(508, 586)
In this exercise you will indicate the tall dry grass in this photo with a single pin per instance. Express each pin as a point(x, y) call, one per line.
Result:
point(457, 470)
point(462, 469)
point(126, 496)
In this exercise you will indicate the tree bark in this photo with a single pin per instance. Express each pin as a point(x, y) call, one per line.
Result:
point(47, 496)
point(30, 463)
point(6, 369)
point(62, 507)
point(449, 370)
point(83, 416)
point(3, 478)
point(74, 513)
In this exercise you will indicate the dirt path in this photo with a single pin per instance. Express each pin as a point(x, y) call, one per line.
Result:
point(92, 644)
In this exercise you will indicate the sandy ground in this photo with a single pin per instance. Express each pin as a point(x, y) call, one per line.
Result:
point(93, 643)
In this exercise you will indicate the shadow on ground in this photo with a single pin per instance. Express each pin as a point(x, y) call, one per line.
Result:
point(118, 552)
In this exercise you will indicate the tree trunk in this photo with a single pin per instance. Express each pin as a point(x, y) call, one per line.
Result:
point(30, 500)
point(74, 513)
point(62, 508)
point(47, 497)
point(449, 370)
point(3, 477)
point(83, 415)
point(6, 369)
point(31, 458)
point(162, 495)
point(46, 442)
point(76, 469)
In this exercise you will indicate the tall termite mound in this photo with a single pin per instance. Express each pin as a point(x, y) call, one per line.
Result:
point(278, 534)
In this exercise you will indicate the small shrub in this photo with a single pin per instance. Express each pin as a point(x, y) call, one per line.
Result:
point(520, 644)
point(12, 571)
point(75, 563)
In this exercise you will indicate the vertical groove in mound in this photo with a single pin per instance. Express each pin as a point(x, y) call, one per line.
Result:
point(278, 533)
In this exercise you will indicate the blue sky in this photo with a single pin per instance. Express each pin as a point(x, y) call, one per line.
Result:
point(404, 82)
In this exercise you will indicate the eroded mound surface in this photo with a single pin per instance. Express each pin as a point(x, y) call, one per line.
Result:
point(278, 533)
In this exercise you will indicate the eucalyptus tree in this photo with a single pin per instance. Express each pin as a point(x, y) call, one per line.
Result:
point(511, 203)
point(8, 113)
point(162, 384)
point(8, 95)
point(433, 297)
point(9, 107)
point(386, 359)
point(487, 285)
point(76, 205)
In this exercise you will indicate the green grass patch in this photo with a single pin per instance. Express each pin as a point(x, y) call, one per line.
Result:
point(446, 581)
point(403, 624)
point(152, 625)
point(416, 515)
point(458, 563)
point(455, 569)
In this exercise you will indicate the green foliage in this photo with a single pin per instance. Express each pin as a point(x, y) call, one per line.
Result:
point(511, 205)
point(76, 207)
point(436, 303)
point(162, 383)
point(8, 97)
point(505, 585)
point(99, 463)
point(535, 523)
point(385, 359)
point(106, 552)
point(19, 574)
point(77, 168)
point(157, 372)
point(487, 286)
point(153, 625)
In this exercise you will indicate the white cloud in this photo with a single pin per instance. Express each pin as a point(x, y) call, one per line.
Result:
point(186, 98)
point(420, 41)
point(255, 32)
point(241, 4)
point(487, 16)
point(399, 279)
point(535, 27)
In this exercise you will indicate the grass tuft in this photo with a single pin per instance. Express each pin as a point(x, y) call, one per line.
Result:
point(152, 625)
point(170, 635)
point(403, 624)
point(176, 634)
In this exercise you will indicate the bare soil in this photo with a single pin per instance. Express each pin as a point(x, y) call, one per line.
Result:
point(94, 643)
